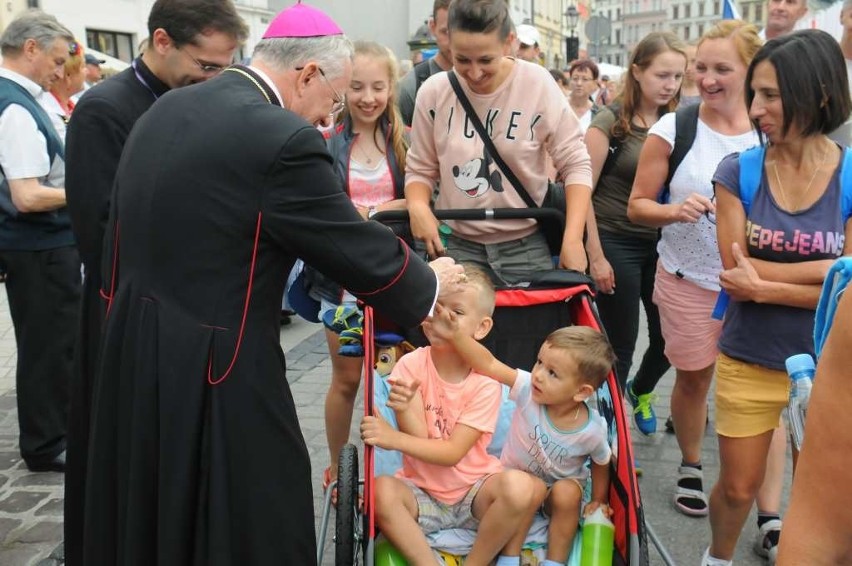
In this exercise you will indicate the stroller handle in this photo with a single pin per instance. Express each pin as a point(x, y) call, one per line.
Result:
point(478, 214)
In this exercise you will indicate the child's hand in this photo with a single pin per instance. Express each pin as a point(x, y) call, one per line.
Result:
point(443, 323)
point(401, 393)
point(593, 506)
point(376, 431)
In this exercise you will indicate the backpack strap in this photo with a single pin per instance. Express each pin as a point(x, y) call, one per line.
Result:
point(686, 126)
point(751, 169)
point(422, 71)
point(846, 183)
point(614, 142)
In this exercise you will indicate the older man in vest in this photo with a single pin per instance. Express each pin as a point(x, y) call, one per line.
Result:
point(37, 250)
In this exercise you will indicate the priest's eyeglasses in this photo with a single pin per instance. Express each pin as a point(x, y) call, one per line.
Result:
point(206, 68)
point(339, 100)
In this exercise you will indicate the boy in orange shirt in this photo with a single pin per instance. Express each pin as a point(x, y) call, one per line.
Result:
point(446, 415)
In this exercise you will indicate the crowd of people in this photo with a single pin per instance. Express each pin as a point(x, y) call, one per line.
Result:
point(156, 381)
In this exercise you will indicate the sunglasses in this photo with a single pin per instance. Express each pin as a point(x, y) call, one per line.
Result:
point(711, 216)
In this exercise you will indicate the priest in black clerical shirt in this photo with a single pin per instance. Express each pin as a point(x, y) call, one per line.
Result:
point(190, 41)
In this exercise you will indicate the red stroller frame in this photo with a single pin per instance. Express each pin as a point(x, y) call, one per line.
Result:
point(355, 536)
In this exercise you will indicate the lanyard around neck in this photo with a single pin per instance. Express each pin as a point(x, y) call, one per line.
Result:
point(142, 80)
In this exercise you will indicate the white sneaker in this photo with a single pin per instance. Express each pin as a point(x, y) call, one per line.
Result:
point(763, 544)
point(708, 560)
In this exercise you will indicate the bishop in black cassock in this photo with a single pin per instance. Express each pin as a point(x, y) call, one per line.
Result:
point(196, 456)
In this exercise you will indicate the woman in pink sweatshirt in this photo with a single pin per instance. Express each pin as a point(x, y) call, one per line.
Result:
point(527, 117)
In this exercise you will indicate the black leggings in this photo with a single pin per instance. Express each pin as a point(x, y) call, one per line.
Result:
point(634, 261)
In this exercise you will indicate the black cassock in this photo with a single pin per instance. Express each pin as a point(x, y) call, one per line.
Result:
point(196, 455)
point(96, 136)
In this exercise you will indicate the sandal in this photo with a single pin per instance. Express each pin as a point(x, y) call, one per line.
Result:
point(326, 481)
point(689, 496)
point(342, 318)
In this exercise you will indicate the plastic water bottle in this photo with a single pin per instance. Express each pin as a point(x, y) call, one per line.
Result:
point(387, 555)
point(801, 369)
point(598, 537)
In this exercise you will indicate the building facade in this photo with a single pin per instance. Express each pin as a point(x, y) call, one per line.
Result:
point(8, 10)
point(641, 17)
point(116, 27)
point(691, 18)
point(390, 22)
point(612, 49)
point(753, 11)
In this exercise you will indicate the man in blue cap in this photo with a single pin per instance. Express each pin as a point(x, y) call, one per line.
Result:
point(93, 70)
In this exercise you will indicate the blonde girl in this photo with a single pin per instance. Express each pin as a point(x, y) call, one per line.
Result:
point(369, 146)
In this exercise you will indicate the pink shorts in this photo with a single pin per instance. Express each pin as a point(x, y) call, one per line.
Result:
point(690, 333)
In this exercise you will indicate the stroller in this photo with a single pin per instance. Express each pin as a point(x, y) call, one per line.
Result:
point(523, 317)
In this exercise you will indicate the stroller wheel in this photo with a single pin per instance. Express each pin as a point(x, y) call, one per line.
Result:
point(347, 537)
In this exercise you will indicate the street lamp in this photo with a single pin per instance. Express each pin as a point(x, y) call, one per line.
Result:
point(572, 43)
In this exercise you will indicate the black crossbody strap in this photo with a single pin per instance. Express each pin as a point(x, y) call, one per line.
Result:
point(489, 144)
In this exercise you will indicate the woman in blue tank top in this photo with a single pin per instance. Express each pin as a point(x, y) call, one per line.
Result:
point(776, 251)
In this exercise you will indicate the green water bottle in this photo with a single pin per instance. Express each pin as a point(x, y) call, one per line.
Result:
point(387, 555)
point(598, 536)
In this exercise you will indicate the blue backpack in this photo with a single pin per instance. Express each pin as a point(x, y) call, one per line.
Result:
point(751, 169)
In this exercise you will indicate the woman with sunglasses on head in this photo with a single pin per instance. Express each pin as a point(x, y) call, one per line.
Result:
point(687, 278)
point(527, 118)
point(57, 101)
point(776, 251)
point(623, 255)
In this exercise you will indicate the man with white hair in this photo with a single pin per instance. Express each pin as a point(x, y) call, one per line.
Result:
point(37, 251)
point(781, 17)
point(196, 449)
point(93, 70)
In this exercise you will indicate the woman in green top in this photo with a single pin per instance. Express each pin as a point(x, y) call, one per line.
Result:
point(623, 255)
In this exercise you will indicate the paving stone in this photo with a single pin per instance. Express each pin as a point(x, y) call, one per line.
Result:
point(7, 525)
point(9, 460)
point(20, 501)
point(40, 479)
point(19, 555)
point(46, 531)
point(55, 507)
